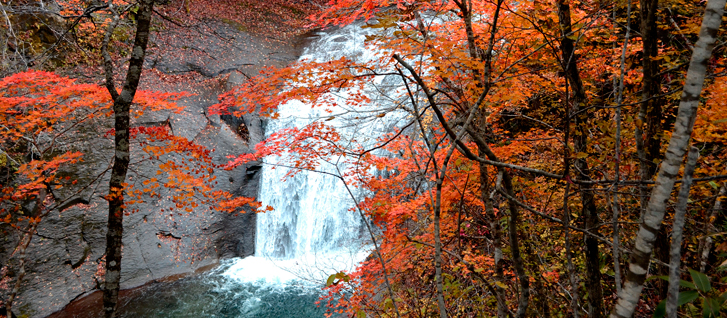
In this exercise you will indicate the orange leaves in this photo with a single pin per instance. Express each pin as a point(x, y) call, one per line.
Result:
point(711, 123)
point(301, 148)
point(307, 82)
point(43, 115)
point(41, 173)
point(522, 118)
point(344, 12)
point(238, 204)
point(156, 101)
point(186, 170)
point(34, 102)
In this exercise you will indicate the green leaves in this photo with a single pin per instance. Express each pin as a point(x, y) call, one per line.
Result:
point(660, 310)
point(684, 298)
point(682, 283)
point(687, 297)
point(710, 306)
point(700, 280)
point(337, 278)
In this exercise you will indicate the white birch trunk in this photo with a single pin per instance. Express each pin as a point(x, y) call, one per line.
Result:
point(680, 212)
point(628, 298)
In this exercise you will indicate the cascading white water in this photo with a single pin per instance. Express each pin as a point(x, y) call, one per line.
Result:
point(313, 231)
point(311, 208)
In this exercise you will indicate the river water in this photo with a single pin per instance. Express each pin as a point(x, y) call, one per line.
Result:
point(219, 293)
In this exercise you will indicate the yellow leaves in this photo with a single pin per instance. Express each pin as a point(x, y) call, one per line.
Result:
point(383, 22)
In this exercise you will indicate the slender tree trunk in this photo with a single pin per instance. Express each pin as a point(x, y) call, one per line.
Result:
point(655, 210)
point(675, 254)
point(644, 130)
point(650, 109)
point(706, 243)
point(121, 107)
point(580, 143)
point(541, 299)
point(650, 115)
point(572, 277)
point(512, 224)
point(23, 247)
point(496, 240)
point(615, 201)
point(438, 243)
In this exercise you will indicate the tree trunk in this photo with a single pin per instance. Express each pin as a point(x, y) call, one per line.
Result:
point(650, 115)
point(23, 247)
point(122, 104)
point(705, 245)
point(542, 307)
point(675, 254)
point(655, 210)
point(496, 240)
point(580, 143)
point(650, 109)
point(438, 239)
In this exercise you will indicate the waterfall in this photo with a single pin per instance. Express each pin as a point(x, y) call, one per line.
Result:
point(311, 209)
point(313, 231)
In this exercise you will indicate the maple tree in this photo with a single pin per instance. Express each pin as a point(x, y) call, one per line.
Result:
point(522, 183)
point(45, 119)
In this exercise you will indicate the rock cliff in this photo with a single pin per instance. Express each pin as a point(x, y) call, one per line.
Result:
point(65, 254)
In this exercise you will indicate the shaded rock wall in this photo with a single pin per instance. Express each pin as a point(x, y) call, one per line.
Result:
point(67, 251)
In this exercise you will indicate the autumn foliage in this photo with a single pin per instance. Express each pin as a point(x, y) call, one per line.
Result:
point(50, 124)
point(517, 182)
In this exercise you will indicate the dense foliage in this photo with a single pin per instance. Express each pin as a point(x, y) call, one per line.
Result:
point(531, 172)
point(523, 181)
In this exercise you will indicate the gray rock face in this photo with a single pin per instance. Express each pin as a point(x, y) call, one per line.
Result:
point(66, 254)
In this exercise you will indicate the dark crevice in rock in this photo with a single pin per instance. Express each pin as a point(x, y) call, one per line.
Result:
point(71, 203)
point(169, 234)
